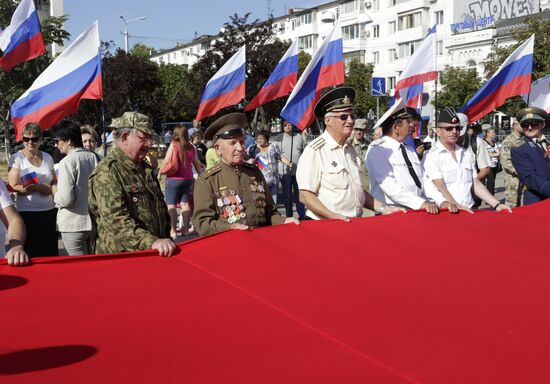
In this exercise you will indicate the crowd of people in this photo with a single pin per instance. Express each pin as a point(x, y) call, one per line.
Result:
point(116, 204)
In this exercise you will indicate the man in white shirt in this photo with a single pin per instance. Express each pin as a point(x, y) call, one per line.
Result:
point(16, 255)
point(394, 169)
point(450, 172)
point(330, 174)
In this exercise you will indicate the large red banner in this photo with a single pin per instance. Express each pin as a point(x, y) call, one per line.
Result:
point(406, 298)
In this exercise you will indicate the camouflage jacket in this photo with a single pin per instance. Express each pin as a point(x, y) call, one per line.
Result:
point(511, 141)
point(360, 147)
point(126, 205)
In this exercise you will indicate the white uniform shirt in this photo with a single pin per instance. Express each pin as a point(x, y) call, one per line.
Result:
point(390, 180)
point(458, 175)
point(335, 174)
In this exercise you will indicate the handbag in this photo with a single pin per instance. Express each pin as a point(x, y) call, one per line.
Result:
point(171, 163)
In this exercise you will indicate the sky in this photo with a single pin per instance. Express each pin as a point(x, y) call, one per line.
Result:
point(168, 21)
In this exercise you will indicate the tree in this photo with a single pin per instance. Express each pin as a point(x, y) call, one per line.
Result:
point(262, 55)
point(541, 62)
point(130, 83)
point(457, 87)
point(20, 78)
point(141, 50)
point(178, 91)
point(359, 77)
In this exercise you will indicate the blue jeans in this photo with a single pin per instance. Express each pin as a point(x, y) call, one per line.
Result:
point(274, 189)
point(291, 195)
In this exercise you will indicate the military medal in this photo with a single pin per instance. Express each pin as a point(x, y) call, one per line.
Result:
point(334, 164)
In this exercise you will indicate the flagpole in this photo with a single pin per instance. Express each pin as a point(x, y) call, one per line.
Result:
point(7, 136)
point(103, 126)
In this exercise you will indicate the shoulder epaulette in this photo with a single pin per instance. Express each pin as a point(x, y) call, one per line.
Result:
point(318, 143)
point(211, 171)
point(377, 142)
point(531, 144)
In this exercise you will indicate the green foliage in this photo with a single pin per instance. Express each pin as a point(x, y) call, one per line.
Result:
point(21, 77)
point(457, 87)
point(141, 50)
point(178, 92)
point(541, 62)
point(359, 77)
point(262, 55)
point(303, 60)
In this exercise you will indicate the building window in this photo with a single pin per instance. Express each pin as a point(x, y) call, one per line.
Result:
point(392, 2)
point(350, 32)
point(306, 42)
point(376, 31)
point(408, 48)
point(357, 55)
point(376, 57)
point(375, 5)
point(174, 55)
point(352, 6)
point(391, 82)
point(409, 21)
point(391, 28)
point(392, 55)
point(438, 17)
point(301, 20)
point(205, 46)
point(439, 47)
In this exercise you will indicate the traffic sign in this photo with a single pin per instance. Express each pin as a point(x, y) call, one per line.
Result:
point(378, 86)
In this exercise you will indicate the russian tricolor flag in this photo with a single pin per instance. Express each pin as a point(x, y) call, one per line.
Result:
point(260, 162)
point(511, 79)
point(226, 87)
point(326, 69)
point(29, 179)
point(420, 68)
point(22, 40)
point(281, 81)
point(56, 93)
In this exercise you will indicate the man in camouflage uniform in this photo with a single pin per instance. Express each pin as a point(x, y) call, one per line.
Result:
point(511, 180)
point(358, 139)
point(126, 203)
point(232, 194)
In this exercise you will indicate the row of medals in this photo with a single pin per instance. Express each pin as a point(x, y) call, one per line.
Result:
point(231, 206)
point(258, 194)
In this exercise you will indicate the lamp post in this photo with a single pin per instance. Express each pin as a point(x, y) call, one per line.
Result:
point(126, 29)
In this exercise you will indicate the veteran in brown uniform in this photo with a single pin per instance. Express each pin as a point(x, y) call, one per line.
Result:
point(232, 194)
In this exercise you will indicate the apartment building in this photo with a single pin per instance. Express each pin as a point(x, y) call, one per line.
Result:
point(387, 32)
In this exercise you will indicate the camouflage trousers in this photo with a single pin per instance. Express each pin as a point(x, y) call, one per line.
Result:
point(511, 185)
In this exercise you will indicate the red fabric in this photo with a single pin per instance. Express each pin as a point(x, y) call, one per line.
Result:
point(325, 302)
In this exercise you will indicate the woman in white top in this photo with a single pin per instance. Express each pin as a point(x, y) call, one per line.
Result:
point(32, 176)
point(73, 220)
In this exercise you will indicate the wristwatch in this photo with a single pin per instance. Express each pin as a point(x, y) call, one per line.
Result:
point(496, 205)
point(381, 209)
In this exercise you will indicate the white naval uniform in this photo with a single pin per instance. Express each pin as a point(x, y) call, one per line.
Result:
point(390, 180)
point(335, 174)
point(458, 175)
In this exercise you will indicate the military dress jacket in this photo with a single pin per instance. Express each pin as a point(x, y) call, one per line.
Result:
point(225, 195)
point(533, 171)
point(126, 205)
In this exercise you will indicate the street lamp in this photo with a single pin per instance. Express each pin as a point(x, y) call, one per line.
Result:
point(126, 29)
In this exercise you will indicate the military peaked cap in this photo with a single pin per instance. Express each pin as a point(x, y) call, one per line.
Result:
point(337, 99)
point(532, 114)
point(448, 115)
point(226, 127)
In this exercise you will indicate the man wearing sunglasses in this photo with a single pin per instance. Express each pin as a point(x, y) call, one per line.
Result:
point(125, 200)
point(330, 173)
point(532, 159)
point(395, 172)
point(450, 174)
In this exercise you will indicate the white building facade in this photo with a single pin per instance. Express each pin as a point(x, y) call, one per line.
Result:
point(47, 8)
point(387, 32)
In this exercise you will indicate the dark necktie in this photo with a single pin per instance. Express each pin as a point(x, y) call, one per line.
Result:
point(541, 144)
point(410, 166)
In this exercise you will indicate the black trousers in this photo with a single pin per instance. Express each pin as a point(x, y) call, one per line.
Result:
point(41, 234)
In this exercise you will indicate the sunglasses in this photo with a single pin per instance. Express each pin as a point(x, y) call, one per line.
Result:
point(33, 139)
point(534, 124)
point(450, 129)
point(345, 116)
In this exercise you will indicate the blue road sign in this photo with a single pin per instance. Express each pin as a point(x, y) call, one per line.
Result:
point(378, 86)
